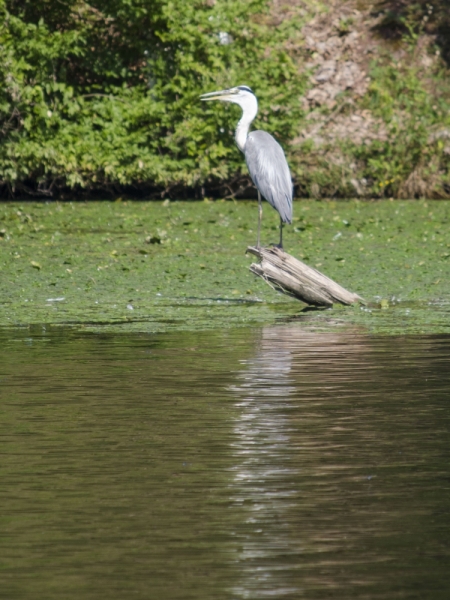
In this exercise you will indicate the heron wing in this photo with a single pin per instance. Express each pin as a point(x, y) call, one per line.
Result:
point(269, 171)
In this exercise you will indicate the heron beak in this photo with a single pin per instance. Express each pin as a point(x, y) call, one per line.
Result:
point(224, 95)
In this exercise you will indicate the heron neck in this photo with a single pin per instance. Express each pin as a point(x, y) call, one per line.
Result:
point(249, 112)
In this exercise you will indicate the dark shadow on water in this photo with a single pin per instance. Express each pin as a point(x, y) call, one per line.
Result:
point(313, 309)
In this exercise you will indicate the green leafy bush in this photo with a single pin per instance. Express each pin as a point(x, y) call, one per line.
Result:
point(413, 161)
point(104, 95)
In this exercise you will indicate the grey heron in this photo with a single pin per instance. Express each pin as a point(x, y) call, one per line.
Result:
point(264, 156)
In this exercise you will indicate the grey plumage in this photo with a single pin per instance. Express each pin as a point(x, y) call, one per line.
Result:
point(269, 171)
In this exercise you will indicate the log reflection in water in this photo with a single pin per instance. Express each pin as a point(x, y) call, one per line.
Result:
point(327, 432)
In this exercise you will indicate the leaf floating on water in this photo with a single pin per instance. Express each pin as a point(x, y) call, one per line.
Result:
point(153, 239)
point(35, 265)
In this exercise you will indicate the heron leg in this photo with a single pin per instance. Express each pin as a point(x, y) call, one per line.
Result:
point(281, 234)
point(258, 245)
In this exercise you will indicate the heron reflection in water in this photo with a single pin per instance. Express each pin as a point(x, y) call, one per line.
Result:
point(264, 156)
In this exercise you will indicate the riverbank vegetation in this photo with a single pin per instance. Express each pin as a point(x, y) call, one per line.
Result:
point(101, 98)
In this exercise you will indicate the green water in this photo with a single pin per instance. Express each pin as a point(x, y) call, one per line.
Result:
point(161, 266)
point(172, 428)
point(240, 463)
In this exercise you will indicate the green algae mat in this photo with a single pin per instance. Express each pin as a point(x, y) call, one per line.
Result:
point(158, 266)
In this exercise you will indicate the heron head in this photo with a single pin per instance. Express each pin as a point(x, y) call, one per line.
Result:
point(241, 95)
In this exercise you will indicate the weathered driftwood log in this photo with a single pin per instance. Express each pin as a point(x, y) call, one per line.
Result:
point(290, 276)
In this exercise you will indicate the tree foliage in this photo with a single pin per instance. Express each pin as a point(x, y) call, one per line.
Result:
point(104, 94)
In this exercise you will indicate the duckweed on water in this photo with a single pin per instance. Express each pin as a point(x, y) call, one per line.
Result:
point(156, 266)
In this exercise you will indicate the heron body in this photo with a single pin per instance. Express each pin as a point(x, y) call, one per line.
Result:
point(264, 156)
point(269, 171)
